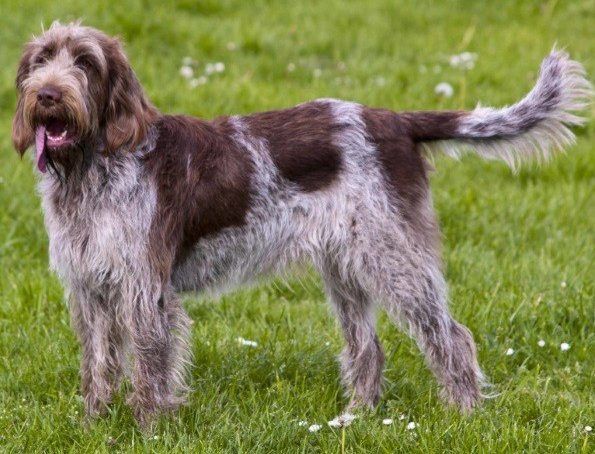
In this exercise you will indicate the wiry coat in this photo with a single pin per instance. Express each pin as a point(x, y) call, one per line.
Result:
point(139, 206)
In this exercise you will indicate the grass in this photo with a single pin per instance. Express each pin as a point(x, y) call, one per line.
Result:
point(510, 241)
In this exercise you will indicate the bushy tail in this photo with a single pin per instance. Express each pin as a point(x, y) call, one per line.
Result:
point(530, 129)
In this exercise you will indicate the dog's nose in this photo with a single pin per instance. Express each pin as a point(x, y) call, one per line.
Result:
point(48, 96)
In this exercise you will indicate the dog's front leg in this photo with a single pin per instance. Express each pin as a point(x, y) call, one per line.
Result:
point(101, 338)
point(158, 335)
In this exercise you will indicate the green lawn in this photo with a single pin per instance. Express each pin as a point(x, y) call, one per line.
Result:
point(519, 250)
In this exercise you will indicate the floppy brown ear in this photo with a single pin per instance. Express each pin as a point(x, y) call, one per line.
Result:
point(22, 134)
point(129, 113)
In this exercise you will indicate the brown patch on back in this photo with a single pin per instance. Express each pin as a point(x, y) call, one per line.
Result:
point(203, 184)
point(300, 143)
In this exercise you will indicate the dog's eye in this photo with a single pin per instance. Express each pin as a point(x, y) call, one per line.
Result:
point(84, 64)
point(39, 60)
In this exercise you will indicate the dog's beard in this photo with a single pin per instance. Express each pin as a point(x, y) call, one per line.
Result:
point(67, 161)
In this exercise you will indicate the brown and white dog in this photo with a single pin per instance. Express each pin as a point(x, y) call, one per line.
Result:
point(140, 205)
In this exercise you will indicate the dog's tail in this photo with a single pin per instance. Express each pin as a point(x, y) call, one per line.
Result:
point(530, 129)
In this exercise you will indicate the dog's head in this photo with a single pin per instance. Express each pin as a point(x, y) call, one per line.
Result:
point(76, 90)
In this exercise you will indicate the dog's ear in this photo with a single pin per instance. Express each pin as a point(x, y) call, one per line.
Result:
point(22, 134)
point(129, 114)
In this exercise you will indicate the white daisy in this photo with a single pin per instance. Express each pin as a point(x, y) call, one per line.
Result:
point(314, 427)
point(247, 342)
point(444, 89)
point(342, 420)
point(588, 429)
point(198, 81)
point(564, 346)
point(541, 343)
point(209, 68)
point(335, 423)
point(411, 426)
point(509, 352)
point(387, 421)
point(466, 60)
point(186, 71)
point(302, 423)
point(454, 61)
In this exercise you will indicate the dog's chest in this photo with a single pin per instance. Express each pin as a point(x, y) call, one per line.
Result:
point(98, 234)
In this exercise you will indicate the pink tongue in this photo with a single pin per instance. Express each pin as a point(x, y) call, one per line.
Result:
point(40, 147)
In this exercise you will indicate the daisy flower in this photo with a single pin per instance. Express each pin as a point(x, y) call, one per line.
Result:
point(247, 342)
point(314, 427)
point(444, 89)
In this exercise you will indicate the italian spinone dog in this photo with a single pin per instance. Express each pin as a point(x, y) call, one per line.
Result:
point(140, 206)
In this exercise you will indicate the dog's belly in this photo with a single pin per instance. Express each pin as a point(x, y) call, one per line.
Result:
point(295, 229)
point(236, 256)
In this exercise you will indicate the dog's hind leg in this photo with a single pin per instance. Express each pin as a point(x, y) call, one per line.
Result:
point(408, 281)
point(362, 358)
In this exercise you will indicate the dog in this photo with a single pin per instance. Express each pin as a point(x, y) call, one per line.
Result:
point(140, 206)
